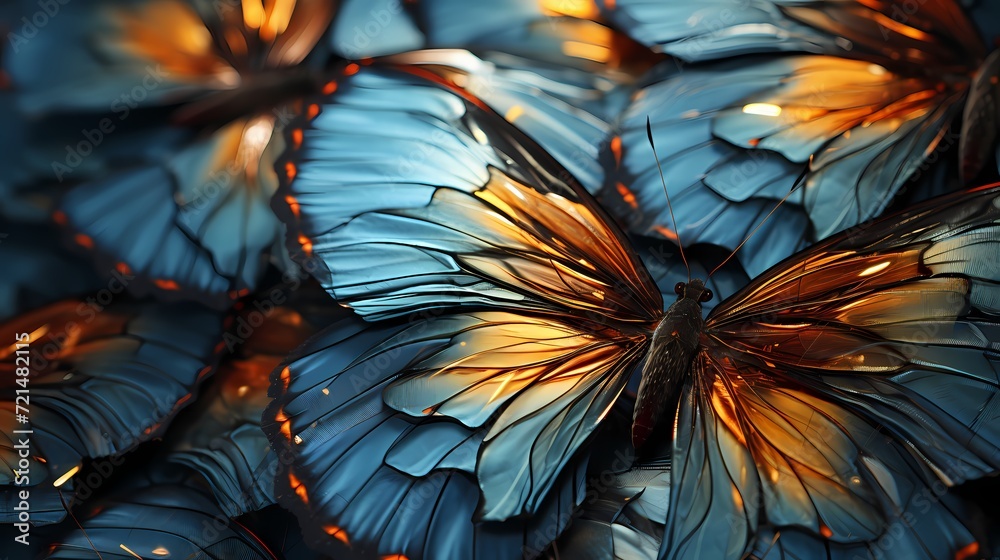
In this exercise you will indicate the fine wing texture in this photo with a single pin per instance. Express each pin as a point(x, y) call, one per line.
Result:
point(477, 216)
point(892, 30)
point(735, 137)
point(100, 380)
point(891, 329)
point(382, 482)
point(196, 227)
point(158, 521)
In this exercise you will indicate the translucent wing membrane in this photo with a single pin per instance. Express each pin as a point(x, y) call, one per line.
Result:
point(158, 52)
point(369, 479)
point(196, 227)
point(158, 521)
point(101, 381)
point(934, 32)
point(566, 110)
point(735, 136)
point(480, 216)
point(807, 367)
point(220, 436)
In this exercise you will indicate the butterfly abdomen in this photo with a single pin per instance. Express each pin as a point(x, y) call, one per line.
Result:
point(667, 363)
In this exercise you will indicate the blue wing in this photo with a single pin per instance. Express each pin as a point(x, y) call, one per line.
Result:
point(220, 436)
point(733, 138)
point(197, 226)
point(479, 216)
point(157, 520)
point(102, 380)
point(565, 110)
point(884, 31)
point(368, 481)
point(130, 54)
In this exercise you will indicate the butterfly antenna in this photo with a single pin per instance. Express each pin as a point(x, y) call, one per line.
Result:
point(670, 207)
point(795, 187)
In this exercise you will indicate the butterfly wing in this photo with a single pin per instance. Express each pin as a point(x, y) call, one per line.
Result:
point(734, 137)
point(158, 520)
point(384, 482)
point(101, 381)
point(566, 110)
point(220, 435)
point(195, 227)
point(890, 30)
point(527, 314)
point(803, 371)
point(476, 216)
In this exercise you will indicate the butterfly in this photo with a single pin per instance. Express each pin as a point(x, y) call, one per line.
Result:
point(509, 312)
point(165, 109)
point(859, 96)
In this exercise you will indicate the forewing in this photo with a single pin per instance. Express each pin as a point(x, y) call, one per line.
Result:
point(735, 137)
point(407, 195)
point(931, 32)
point(196, 227)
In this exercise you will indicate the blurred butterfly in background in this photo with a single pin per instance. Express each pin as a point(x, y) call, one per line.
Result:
point(507, 314)
point(102, 379)
point(861, 96)
point(215, 448)
point(182, 210)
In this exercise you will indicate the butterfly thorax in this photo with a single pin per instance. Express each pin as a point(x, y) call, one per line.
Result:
point(668, 360)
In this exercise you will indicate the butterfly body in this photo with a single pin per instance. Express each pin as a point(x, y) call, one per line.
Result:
point(668, 360)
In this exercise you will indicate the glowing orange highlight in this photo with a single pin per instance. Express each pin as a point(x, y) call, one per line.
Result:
point(337, 533)
point(825, 531)
point(164, 284)
point(616, 149)
point(297, 138)
point(665, 233)
point(312, 111)
point(307, 246)
point(970, 550)
point(293, 205)
point(59, 217)
point(290, 170)
point(330, 87)
point(351, 69)
point(300, 490)
point(123, 268)
point(627, 195)
point(84, 241)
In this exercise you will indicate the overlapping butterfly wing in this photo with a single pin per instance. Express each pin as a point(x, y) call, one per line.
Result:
point(157, 520)
point(220, 437)
point(889, 30)
point(196, 226)
point(196, 200)
point(855, 120)
point(890, 330)
point(95, 381)
point(527, 313)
